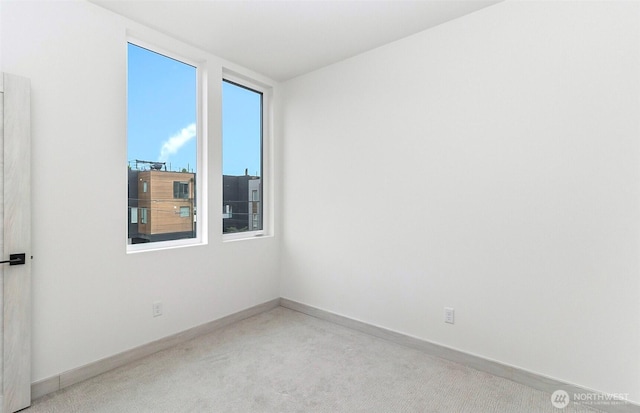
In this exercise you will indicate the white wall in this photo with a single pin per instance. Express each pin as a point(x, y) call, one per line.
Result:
point(491, 165)
point(91, 299)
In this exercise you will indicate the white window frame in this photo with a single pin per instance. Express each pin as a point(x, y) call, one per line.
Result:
point(267, 171)
point(184, 54)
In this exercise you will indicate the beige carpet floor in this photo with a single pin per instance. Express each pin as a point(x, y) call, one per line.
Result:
point(285, 361)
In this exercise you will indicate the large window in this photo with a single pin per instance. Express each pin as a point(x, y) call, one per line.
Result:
point(242, 139)
point(162, 125)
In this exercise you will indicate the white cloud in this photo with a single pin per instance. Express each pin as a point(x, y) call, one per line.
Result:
point(177, 141)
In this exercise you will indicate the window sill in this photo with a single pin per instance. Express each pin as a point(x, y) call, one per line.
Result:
point(241, 236)
point(163, 245)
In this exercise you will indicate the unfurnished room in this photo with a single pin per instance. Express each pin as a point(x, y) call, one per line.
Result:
point(320, 206)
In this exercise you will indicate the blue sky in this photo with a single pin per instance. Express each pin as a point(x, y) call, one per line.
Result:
point(241, 120)
point(162, 114)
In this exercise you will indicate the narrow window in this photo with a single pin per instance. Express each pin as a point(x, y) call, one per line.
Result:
point(227, 211)
point(134, 215)
point(161, 145)
point(242, 128)
point(255, 221)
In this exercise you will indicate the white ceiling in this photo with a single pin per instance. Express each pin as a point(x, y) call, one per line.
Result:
point(284, 39)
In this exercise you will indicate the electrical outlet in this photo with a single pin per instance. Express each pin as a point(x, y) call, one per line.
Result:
point(157, 308)
point(448, 315)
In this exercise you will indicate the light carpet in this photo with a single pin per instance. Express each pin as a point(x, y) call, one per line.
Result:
point(285, 361)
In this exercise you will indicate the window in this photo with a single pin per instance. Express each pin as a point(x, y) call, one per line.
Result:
point(181, 190)
point(162, 145)
point(134, 215)
point(242, 140)
point(227, 211)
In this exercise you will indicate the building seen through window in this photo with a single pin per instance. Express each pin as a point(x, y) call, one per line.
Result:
point(166, 210)
point(162, 147)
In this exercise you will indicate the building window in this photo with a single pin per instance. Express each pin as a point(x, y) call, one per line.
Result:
point(181, 190)
point(162, 145)
point(134, 215)
point(227, 211)
point(242, 161)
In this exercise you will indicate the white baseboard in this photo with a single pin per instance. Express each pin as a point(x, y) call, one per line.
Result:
point(55, 383)
point(536, 381)
point(515, 374)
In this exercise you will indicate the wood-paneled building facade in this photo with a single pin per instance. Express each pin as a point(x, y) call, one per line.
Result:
point(161, 205)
